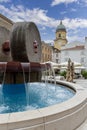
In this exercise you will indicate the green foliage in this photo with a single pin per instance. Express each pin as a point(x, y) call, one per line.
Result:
point(63, 73)
point(84, 74)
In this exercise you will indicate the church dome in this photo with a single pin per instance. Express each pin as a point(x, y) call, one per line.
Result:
point(60, 27)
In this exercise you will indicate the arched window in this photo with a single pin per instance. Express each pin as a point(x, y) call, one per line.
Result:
point(59, 35)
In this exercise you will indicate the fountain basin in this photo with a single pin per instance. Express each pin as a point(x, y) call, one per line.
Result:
point(29, 96)
point(64, 116)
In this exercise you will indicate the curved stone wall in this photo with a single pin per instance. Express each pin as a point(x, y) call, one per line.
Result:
point(65, 116)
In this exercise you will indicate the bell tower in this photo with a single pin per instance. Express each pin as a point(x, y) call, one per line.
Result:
point(60, 36)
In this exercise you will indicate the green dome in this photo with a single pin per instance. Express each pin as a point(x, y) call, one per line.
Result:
point(60, 27)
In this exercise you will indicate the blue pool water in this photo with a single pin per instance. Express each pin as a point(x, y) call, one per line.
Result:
point(20, 97)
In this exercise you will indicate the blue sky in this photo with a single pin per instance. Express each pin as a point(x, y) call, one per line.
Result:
point(47, 15)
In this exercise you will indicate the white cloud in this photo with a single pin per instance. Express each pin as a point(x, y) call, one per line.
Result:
point(84, 1)
point(64, 12)
point(42, 28)
point(73, 10)
point(49, 41)
point(19, 13)
point(44, 33)
point(4, 1)
point(56, 2)
point(75, 23)
point(40, 17)
point(74, 38)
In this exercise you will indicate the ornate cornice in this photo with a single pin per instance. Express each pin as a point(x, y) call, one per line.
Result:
point(6, 19)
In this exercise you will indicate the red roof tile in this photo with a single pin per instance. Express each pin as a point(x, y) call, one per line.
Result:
point(82, 47)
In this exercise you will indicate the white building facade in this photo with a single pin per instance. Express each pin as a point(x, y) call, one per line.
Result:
point(56, 55)
point(76, 51)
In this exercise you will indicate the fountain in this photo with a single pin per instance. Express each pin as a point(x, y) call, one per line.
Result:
point(26, 101)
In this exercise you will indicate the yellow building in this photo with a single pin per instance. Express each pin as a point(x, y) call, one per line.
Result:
point(5, 22)
point(60, 36)
point(46, 52)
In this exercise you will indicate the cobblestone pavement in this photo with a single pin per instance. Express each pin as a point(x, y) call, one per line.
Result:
point(83, 83)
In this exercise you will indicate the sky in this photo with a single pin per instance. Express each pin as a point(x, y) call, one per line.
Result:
point(47, 14)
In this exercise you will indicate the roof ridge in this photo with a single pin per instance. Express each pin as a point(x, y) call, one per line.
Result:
point(80, 47)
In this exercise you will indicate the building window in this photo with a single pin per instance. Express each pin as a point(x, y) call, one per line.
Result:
point(82, 60)
point(66, 59)
point(66, 53)
point(59, 35)
point(82, 53)
point(56, 60)
point(56, 54)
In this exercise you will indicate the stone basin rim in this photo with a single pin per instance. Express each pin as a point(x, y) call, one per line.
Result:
point(63, 109)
